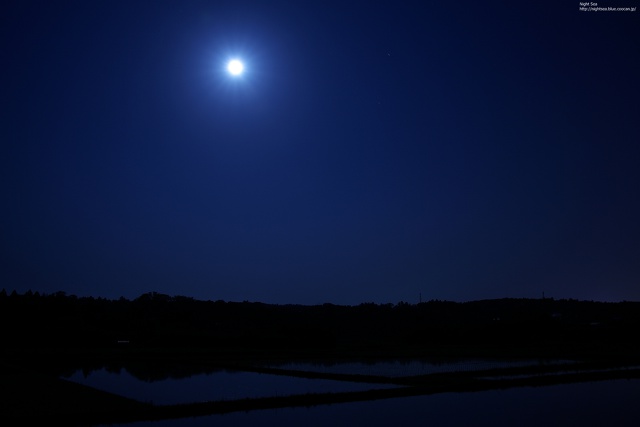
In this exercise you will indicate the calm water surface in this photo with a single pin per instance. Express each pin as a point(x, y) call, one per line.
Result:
point(607, 403)
point(221, 385)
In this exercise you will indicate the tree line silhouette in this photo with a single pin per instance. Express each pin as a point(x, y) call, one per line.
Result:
point(156, 321)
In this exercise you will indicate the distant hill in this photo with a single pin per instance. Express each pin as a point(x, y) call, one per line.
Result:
point(157, 322)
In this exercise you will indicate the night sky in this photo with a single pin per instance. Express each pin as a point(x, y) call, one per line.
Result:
point(371, 152)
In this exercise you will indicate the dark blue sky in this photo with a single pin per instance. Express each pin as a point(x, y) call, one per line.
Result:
point(372, 151)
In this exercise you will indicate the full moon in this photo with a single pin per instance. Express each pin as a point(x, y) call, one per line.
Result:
point(235, 67)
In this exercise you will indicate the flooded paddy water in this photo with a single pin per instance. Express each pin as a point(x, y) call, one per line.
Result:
point(606, 403)
point(590, 402)
point(219, 385)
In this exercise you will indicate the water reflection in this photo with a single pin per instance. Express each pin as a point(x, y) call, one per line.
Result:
point(217, 385)
point(165, 384)
point(587, 404)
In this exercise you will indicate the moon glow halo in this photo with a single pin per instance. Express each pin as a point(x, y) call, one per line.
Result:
point(235, 67)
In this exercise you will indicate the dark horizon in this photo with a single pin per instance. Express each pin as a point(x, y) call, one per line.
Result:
point(369, 152)
point(54, 345)
point(160, 325)
point(153, 295)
